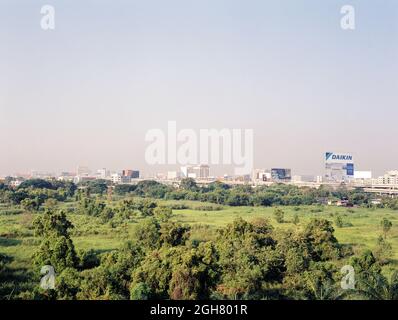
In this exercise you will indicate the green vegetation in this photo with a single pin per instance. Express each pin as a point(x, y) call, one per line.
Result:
point(152, 241)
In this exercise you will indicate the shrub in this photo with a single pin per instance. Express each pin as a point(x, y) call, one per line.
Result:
point(279, 215)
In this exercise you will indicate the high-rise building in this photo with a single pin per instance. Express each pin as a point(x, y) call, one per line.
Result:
point(186, 171)
point(203, 171)
point(196, 172)
point(339, 167)
point(102, 173)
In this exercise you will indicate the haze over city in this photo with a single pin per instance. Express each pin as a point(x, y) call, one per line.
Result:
point(87, 92)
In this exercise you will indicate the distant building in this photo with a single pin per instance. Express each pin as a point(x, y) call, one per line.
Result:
point(102, 173)
point(185, 171)
point(281, 175)
point(195, 172)
point(297, 178)
point(202, 171)
point(15, 183)
point(308, 178)
point(339, 167)
point(67, 174)
point(261, 175)
point(363, 177)
point(390, 178)
point(83, 171)
point(117, 178)
point(66, 178)
point(132, 174)
point(79, 179)
point(41, 175)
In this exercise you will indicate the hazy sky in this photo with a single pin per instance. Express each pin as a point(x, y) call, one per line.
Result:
point(87, 92)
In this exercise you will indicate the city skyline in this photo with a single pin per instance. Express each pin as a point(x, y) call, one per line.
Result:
point(163, 169)
point(89, 91)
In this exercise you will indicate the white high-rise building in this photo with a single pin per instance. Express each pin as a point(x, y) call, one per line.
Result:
point(196, 172)
point(116, 178)
point(102, 173)
point(390, 178)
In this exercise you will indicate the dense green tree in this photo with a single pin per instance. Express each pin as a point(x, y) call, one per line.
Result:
point(176, 272)
point(147, 234)
point(68, 284)
point(98, 186)
point(107, 214)
point(91, 207)
point(173, 234)
point(56, 247)
point(36, 184)
point(375, 286)
point(122, 189)
point(30, 204)
point(140, 291)
point(146, 207)
point(248, 259)
point(152, 189)
point(97, 284)
point(188, 184)
point(365, 263)
point(163, 214)
point(238, 198)
point(320, 240)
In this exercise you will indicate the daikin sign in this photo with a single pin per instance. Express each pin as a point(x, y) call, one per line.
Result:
point(338, 157)
point(339, 166)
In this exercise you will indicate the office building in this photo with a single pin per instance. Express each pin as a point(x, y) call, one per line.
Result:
point(389, 178)
point(195, 172)
point(132, 174)
point(281, 175)
point(339, 167)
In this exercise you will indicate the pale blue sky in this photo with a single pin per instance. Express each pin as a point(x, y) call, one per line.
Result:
point(87, 92)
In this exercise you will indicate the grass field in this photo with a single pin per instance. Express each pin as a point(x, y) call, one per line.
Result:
point(17, 240)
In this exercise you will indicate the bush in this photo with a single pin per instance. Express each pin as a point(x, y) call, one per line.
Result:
point(279, 215)
point(208, 208)
point(163, 214)
point(338, 221)
point(178, 206)
point(383, 251)
point(88, 259)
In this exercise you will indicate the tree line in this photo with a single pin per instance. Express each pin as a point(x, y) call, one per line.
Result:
point(34, 193)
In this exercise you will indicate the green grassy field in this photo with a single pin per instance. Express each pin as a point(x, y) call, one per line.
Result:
point(17, 240)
